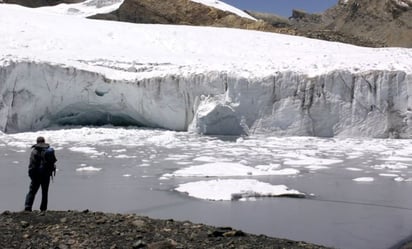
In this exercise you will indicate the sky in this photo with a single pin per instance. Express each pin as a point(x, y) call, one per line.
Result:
point(282, 7)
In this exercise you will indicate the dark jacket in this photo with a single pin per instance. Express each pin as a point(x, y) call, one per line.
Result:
point(35, 156)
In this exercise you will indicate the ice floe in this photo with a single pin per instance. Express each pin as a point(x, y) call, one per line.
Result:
point(88, 169)
point(228, 169)
point(364, 179)
point(235, 189)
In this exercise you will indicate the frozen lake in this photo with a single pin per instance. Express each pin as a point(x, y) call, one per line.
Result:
point(357, 190)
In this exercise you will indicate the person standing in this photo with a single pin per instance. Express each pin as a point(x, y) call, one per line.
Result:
point(41, 168)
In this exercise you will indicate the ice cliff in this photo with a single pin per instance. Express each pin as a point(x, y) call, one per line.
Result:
point(374, 104)
point(60, 70)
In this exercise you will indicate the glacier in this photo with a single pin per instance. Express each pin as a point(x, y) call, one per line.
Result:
point(60, 70)
point(373, 104)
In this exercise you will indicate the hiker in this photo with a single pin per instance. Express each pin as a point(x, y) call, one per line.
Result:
point(41, 169)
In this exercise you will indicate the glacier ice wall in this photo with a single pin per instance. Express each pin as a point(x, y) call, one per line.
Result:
point(340, 103)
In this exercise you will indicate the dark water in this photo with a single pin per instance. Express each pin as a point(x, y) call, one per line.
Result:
point(342, 213)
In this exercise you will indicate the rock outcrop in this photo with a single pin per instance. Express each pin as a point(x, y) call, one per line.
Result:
point(181, 12)
point(373, 23)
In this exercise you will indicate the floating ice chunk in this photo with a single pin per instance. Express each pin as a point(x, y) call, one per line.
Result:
point(235, 189)
point(399, 179)
point(86, 150)
point(390, 166)
point(88, 169)
point(312, 161)
point(122, 156)
point(177, 157)
point(227, 169)
point(268, 167)
point(17, 144)
point(396, 158)
point(119, 150)
point(354, 169)
point(166, 138)
point(316, 167)
point(364, 179)
point(353, 155)
point(389, 175)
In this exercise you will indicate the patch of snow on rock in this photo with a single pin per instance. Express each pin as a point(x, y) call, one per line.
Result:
point(225, 7)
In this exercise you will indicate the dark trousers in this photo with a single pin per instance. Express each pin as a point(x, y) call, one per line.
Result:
point(38, 180)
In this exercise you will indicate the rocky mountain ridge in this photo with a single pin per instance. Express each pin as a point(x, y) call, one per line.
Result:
point(389, 22)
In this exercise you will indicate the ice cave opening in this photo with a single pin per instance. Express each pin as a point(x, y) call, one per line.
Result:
point(93, 118)
point(73, 115)
point(92, 115)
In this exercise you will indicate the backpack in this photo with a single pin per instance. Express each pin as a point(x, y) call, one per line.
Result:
point(48, 160)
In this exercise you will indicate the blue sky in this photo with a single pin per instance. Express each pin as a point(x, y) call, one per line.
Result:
point(282, 7)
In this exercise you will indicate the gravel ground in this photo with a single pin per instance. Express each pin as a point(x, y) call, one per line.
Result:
point(74, 229)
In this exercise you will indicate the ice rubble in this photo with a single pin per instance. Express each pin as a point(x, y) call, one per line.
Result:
point(58, 70)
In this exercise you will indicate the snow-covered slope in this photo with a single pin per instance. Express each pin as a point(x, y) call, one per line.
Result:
point(57, 69)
